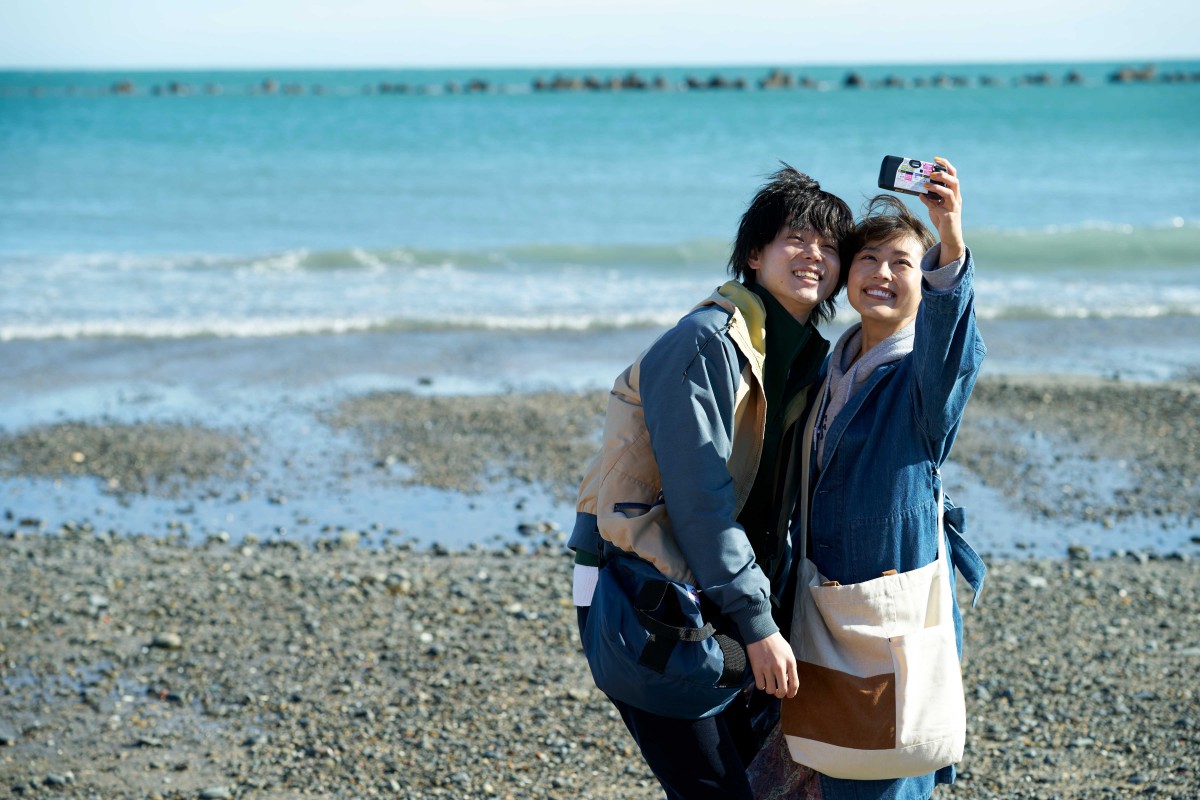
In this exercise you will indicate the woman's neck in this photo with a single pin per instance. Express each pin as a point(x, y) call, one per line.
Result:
point(874, 332)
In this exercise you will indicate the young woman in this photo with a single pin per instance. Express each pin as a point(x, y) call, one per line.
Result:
point(890, 404)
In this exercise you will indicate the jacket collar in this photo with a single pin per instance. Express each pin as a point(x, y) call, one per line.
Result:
point(747, 323)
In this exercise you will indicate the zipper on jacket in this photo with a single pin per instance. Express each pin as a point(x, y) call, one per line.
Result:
point(722, 330)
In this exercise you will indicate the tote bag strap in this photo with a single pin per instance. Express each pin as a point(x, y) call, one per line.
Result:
point(941, 512)
point(805, 488)
point(801, 436)
point(802, 440)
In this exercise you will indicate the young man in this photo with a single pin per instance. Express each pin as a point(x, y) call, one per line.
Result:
point(693, 441)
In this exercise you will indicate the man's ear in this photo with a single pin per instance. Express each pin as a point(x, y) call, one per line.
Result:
point(753, 259)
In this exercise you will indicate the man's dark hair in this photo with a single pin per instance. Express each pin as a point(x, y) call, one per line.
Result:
point(792, 200)
point(884, 219)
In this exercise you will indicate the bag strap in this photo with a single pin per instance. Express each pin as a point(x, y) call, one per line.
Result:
point(662, 630)
point(941, 509)
point(806, 452)
point(783, 522)
point(661, 638)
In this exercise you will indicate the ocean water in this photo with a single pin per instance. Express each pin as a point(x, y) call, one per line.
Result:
point(251, 214)
point(244, 258)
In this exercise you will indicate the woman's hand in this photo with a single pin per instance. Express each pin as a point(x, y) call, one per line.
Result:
point(944, 202)
point(774, 666)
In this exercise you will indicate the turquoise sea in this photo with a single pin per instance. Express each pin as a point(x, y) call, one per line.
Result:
point(203, 244)
point(333, 208)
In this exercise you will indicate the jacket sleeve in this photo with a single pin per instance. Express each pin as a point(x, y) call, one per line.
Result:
point(689, 384)
point(585, 538)
point(947, 352)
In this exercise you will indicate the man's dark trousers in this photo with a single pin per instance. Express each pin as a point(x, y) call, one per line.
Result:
point(693, 759)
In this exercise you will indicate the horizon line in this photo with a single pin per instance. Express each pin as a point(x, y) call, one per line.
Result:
point(583, 66)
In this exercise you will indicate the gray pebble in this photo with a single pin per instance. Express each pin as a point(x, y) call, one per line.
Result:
point(361, 706)
point(167, 641)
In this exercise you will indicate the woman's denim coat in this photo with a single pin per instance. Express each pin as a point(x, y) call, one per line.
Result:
point(874, 504)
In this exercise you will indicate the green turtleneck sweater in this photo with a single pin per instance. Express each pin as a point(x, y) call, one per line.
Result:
point(794, 354)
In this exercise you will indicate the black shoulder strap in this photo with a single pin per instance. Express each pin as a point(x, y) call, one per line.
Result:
point(662, 637)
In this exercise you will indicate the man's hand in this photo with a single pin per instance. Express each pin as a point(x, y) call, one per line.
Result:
point(774, 666)
point(945, 211)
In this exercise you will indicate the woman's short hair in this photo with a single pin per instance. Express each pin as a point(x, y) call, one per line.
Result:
point(884, 219)
point(792, 200)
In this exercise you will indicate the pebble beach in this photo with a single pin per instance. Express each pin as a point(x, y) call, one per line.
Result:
point(200, 663)
point(300, 369)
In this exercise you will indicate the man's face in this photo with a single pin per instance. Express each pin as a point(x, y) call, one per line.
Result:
point(799, 268)
point(884, 283)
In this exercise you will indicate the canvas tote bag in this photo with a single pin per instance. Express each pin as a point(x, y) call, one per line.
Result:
point(881, 693)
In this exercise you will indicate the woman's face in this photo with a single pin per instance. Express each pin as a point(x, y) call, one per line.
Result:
point(884, 282)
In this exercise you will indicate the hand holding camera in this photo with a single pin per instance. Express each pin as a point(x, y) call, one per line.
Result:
point(936, 184)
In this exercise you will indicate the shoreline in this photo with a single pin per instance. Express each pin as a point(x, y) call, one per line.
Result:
point(138, 667)
point(212, 376)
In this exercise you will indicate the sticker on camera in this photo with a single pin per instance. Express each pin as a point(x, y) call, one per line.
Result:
point(913, 174)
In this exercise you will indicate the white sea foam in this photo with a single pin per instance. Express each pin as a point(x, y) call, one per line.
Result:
point(186, 329)
point(1099, 273)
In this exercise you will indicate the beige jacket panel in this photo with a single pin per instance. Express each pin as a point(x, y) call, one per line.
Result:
point(623, 487)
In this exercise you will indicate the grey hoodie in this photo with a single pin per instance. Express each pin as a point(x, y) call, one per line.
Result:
point(845, 375)
point(844, 378)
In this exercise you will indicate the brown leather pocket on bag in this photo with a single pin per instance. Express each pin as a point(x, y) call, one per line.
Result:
point(842, 709)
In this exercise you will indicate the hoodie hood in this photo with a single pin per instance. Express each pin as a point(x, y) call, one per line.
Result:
point(846, 375)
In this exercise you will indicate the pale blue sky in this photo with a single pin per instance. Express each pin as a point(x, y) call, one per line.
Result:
point(403, 33)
